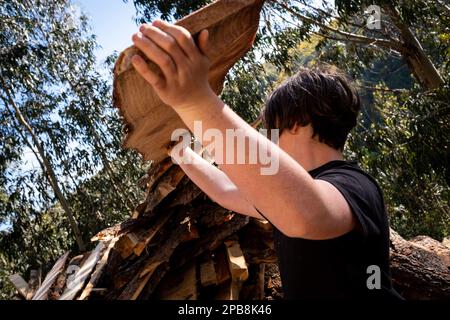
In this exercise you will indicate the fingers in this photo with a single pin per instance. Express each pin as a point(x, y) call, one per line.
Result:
point(203, 41)
point(165, 41)
point(142, 68)
point(181, 35)
point(156, 54)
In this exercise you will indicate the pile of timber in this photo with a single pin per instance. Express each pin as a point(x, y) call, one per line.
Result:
point(178, 244)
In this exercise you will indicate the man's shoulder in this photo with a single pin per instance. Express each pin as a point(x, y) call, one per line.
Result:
point(349, 173)
point(360, 190)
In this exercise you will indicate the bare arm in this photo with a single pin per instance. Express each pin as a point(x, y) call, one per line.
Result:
point(213, 182)
point(291, 199)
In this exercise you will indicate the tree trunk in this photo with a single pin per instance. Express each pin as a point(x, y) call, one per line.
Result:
point(410, 48)
point(50, 173)
point(418, 61)
point(106, 164)
point(420, 267)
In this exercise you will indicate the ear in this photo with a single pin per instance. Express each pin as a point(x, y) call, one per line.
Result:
point(295, 129)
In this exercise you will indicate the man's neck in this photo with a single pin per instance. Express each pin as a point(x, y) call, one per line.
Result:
point(313, 154)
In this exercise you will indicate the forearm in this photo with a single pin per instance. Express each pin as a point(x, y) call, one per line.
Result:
point(289, 197)
point(213, 182)
point(278, 196)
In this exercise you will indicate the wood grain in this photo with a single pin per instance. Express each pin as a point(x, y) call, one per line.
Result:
point(149, 123)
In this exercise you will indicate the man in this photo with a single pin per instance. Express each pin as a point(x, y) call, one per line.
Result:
point(331, 228)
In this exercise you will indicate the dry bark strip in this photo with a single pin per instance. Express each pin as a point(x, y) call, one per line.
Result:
point(42, 292)
point(83, 273)
point(20, 284)
point(98, 272)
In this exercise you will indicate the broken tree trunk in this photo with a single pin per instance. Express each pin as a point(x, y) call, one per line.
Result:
point(232, 27)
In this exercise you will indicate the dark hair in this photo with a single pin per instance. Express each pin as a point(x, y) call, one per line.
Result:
point(322, 97)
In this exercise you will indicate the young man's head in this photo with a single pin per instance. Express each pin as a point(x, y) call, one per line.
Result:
point(321, 102)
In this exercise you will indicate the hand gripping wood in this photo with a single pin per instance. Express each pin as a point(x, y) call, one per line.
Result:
point(149, 123)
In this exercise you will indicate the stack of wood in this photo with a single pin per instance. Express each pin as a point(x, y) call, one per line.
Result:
point(178, 244)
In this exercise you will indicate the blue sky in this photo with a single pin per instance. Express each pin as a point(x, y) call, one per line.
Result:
point(112, 21)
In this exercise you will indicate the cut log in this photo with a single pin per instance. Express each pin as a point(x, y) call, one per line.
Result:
point(209, 241)
point(126, 244)
point(253, 288)
point(33, 283)
point(232, 26)
point(183, 231)
point(420, 269)
point(155, 172)
point(57, 289)
point(166, 185)
point(181, 285)
point(259, 292)
point(238, 267)
point(98, 271)
point(273, 288)
point(144, 276)
point(150, 234)
point(224, 291)
point(208, 272)
point(221, 266)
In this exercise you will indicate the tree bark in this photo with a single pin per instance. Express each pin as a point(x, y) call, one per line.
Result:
point(418, 61)
point(420, 268)
point(106, 164)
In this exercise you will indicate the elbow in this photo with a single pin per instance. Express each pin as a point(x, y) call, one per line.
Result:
point(223, 198)
point(294, 230)
point(298, 226)
point(220, 201)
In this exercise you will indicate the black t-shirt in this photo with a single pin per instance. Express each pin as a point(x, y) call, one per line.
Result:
point(338, 268)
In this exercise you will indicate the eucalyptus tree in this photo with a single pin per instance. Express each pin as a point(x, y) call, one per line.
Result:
point(63, 174)
point(398, 27)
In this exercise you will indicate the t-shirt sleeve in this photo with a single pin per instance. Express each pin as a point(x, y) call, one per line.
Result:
point(363, 197)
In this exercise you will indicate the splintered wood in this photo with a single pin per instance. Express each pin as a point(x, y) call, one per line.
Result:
point(199, 250)
point(232, 26)
point(178, 244)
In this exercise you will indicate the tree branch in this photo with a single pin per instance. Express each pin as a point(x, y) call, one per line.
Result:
point(346, 36)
